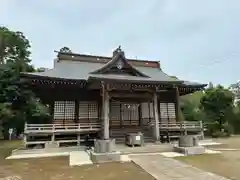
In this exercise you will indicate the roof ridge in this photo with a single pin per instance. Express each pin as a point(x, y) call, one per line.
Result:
point(103, 57)
point(117, 55)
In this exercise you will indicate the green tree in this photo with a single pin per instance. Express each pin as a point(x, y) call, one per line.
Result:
point(65, 50)
point(17, 103)
point(235, 88)
point(14, 46)
point(190, 105)
point(217, 104)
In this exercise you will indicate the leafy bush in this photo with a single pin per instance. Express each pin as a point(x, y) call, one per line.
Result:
point(212, 128)
point(228, 129)
point(219, 134)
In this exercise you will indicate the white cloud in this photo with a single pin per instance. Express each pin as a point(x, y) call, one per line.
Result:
point(189, 37)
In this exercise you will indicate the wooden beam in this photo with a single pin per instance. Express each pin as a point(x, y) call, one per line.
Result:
point(130, 95)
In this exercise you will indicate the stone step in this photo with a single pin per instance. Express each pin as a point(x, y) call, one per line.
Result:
point(78, 158)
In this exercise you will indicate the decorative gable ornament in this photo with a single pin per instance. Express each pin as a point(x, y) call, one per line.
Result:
point(119, 61)
point(120, 65)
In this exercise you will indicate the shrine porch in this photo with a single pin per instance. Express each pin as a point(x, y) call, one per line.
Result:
point(84, 134)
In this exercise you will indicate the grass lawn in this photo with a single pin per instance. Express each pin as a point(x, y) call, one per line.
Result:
point(232, 142)
point(57, 168)
point(226, 164)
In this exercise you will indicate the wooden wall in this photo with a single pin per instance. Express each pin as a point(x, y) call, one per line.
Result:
point(74, 105)
point(168, 106)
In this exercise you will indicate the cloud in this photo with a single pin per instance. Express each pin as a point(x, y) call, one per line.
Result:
point(192, 39)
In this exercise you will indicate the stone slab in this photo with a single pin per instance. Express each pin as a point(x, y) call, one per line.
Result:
point(209, 151)
point(78, 158)
point(162, 168)
point(196, 150)
point(171, 154)
point(105, 157)
point(26, 156)
point(206, 143)
point(147, 148)
point(125, 158)
point(38, 153)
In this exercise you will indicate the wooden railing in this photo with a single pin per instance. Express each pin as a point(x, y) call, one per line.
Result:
point(181, 125)
point(184, 125)
point(51, 128)
point(85, 127)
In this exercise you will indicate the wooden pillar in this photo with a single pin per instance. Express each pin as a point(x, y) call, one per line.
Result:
point(105, 111)
point(76, 118)
point(140, 115)
point(25, 140)
point(53, 137)
point(155, 112)
point(202, 129)
point(78, 139)
point(51, 107)
point(178, 108)
point(25, 135)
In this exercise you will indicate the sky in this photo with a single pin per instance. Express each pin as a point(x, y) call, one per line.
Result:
point(197, 40)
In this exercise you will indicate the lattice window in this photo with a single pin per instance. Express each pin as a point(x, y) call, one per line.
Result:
point(59, 107)
point(147, 110)
point(88, 110)
point(83, 110)
point(93, 110)
point(69, 109)
point(163, 112)
point(64, 110)
point(167, 111)
point(171, 110)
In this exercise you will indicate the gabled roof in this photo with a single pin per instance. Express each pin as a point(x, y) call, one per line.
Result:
point(79, 67)
point(74, 70)
point(119, 57)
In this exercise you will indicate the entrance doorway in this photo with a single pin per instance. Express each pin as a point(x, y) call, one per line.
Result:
point(124, 114)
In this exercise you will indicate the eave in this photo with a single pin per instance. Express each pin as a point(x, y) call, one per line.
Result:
point(45, 80)
point(137, 81)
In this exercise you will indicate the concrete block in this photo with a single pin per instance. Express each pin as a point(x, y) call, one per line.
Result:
point(196, 150)
point(103, 146)
point(186, 141)
point(105, 157)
